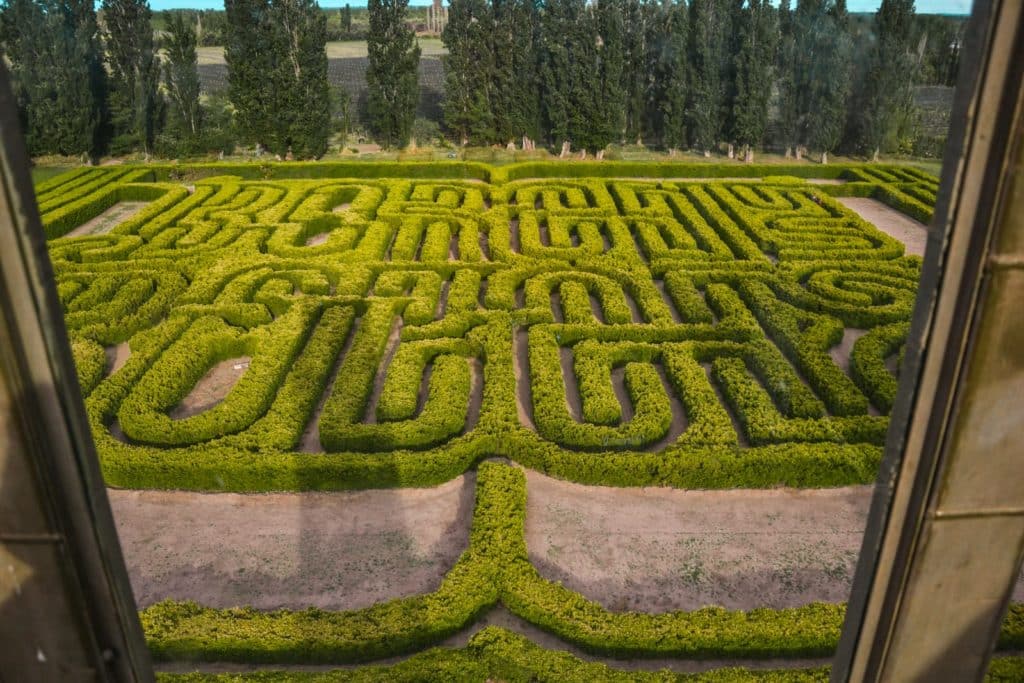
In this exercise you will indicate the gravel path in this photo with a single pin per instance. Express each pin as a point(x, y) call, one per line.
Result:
point(913, 234)
point(652, 549)
point(337, 551)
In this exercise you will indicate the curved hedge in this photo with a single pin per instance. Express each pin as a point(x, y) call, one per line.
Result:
point(618, 323)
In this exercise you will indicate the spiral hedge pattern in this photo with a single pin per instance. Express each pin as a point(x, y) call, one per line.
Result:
point(649, 326)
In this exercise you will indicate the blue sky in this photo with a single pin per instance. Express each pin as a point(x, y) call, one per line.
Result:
point(923, 6)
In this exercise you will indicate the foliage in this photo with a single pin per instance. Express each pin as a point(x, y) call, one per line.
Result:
point(708, 57)
point(53, 47)
point(886, 95)
point(181, 77)
point(136, 104)
point(391, 77)
point(754, 72)
point(277, 74)
point(437, 271)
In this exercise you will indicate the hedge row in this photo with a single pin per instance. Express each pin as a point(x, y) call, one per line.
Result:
point(656, 296)
point(496, 654)
point(494, 568)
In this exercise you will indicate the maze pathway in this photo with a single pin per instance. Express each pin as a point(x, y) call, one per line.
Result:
point(625, 331)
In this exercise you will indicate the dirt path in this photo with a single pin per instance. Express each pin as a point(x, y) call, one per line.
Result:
point(215, 385)
point(840, 353)
point(521, 369)
point(913, 234)
point(658, 549)
point(649, 549)
point(335, 551)
point(117, 356)
point(108, 220)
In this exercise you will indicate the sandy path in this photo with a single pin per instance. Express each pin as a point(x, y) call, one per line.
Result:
point(913, 234)
point(648, 549)
point(336, 551)
point(108, 220)
point(687, 549)
point(840, 353)
point(214, 386)
point(521, 369)
point(117, 356)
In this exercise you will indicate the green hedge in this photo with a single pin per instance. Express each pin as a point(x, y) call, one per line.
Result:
point(495, 568)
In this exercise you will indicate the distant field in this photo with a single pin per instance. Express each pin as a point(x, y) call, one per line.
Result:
point(431, 47)
point(347, 64)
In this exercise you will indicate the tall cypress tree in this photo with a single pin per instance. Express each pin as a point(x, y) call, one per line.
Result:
point(557, 62)
point(786, 62)
point(302, 98)
point(469, 111)
point(181, 76)
point(823, 72)
point(277, 74)
point(515, 81)
point(754, 73)
point(707, 39)
point(136, 105)
point(392, 77)
point(608, 120)
point(54, 51)
point(637, 75)
point(671, 74)
point(346, 19)
point(23, 30)
point(249, 54)
point(887, 91)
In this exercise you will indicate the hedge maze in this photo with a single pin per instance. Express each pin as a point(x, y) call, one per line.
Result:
point(400, 324)
point(643, 328)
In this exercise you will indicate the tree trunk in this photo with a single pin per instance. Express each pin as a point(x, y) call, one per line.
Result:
point(671, 151)
point(600, 154)
point(510, 147)
point(732, 151)
point(789, 152)
point(565, 150)
point(874, 157)
point(583, 154)
point(824, 157)
point(707, 153)
point(748, 155)
point(799, 153)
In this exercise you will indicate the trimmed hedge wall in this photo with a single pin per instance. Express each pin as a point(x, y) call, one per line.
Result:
point(646, 302)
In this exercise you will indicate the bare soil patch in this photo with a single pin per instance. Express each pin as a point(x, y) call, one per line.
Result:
point(659, 549)
point(826, 181)
point(345, 206)
point(913, 234)
point(215, 385)
point(317, 239)
point(117, 356)
point(840, 353)
point(521, 368)
point(108, 220)
point(336, 551)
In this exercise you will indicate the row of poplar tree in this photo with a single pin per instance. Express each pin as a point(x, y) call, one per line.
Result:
point(82, 89)
point(565, 72)
point(680, 74)
point(88, 85)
